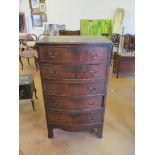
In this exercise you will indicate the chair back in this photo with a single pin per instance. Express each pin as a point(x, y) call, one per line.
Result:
point(41, 36)
point(129, 42)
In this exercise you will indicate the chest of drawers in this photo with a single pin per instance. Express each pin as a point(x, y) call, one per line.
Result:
point(74, 75)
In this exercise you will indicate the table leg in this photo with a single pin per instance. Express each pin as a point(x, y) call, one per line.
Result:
point(28, 61)
point(35, 91)
point(118, 65)
point(21, 62)
point(33, 104)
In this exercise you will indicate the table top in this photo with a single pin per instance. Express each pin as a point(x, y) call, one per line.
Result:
point(25, 79)
point(126, 54)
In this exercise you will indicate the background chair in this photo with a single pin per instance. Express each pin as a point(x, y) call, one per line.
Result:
point(41, 36)
point(27, 49)
point(132, 43)
point(128, 43)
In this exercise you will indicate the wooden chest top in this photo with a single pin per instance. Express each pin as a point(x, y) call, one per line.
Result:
point(74, 40)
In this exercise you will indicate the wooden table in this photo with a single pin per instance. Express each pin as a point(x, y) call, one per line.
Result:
point(124, 62)
point(26, 88)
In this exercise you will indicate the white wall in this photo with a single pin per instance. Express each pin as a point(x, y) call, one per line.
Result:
point(70, 12)
point(24, 7)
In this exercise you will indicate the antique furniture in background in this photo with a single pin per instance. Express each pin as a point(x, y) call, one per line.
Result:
point(128, 43)
point(69, 32)
point(41, 36)
point(27, 88)
point(74, 74)
point(123, 62)
point(132, 43)
point(116, 40)
point(27, 48)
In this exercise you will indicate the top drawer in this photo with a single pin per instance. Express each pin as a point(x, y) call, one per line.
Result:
point(73, 54)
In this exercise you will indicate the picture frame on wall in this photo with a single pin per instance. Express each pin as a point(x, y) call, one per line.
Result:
point(42, 7)
point(36, 20)
point(44, 17)
point(35, 4)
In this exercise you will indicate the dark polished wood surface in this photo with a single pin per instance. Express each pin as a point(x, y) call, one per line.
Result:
point(73, 40)
point(124, 62)
point(26, 88)
point(74, 74)
point(74, 103)
point(73, 54)
point(69, 32)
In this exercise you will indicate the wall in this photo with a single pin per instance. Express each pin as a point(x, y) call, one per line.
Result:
point(70, 12)
point(24, 7)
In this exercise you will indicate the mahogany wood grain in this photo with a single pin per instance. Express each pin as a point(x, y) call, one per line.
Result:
point(69, 32)
point(74, 118)
point(73, 89)
point(72, 72)
point(72, 54)
point(74, 75)
point(74, 103)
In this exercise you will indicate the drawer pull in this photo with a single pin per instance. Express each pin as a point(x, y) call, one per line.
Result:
point(92, 89)
point(91, 119)
point(52, 55)
point(54, 73)
point(93, 73)
point(92, 103)
point(94, 55)
point(57, 105)
point(76, 99)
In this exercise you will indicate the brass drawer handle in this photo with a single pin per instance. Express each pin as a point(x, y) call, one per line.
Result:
point(91, 119)
point(76, 99)
point(92, 89)
point(93, 73)
point(92, 103)
point(52, 55)
point(54, 73)
point(94, 55)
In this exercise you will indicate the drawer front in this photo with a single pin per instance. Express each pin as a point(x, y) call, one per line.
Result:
point(60, 72)
point(78, 118)
point(92, 54)
point(56, 54)
point(73, 89)
point(73, 54)
point(74, 103)
point(75, 128)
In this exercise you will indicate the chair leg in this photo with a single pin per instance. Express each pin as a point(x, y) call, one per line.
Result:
point(28, 61)
point(33, 105)
point(21, 62)
point(35, 90)
point(35, 93)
